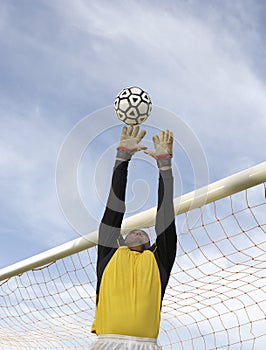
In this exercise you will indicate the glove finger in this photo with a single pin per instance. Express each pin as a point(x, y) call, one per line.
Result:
point(123, 133)
point(135, 130)
point(150, 153)
point(171, 136)
point(156, 139)
point(129, 130)
point(164, 135)
point(167, 135)
point(141, 148)
point(141, 135)
point(161, 136)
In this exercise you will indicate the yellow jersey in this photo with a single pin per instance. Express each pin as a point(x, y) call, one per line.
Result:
point(130, 295)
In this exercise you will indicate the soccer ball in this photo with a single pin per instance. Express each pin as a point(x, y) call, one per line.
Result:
point(133, 105)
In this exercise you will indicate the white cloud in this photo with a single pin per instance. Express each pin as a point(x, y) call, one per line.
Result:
point(200, 67)
point(29, 146)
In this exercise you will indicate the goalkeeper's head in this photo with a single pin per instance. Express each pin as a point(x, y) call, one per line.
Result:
point(137, 240)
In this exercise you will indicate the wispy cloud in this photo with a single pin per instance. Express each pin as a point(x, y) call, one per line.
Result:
point(198, 62)
point(72, 57)
point(29, 147)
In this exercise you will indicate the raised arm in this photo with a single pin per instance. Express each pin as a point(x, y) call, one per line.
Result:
point(109, 230)
point(110, 225)
point(165, 219)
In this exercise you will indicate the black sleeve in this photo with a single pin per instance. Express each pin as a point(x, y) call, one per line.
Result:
point(109, 230)
point(165, 223)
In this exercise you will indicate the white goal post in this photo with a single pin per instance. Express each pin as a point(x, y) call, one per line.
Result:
point(215, 298)
point(222, 188)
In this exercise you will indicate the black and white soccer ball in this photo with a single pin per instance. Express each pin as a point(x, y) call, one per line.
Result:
point(133, 105)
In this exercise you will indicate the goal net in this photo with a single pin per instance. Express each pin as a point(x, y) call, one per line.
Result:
point(216, 297)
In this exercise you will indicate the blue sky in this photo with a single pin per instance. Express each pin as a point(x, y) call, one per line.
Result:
point(63, 60)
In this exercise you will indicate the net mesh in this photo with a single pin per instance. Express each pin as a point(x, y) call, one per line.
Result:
point(216, 297)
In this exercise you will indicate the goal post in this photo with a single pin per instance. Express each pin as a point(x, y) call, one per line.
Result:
point(215, 298)
point(195, 199)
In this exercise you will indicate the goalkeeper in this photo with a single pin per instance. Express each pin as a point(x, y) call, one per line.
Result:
point(132, 275)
